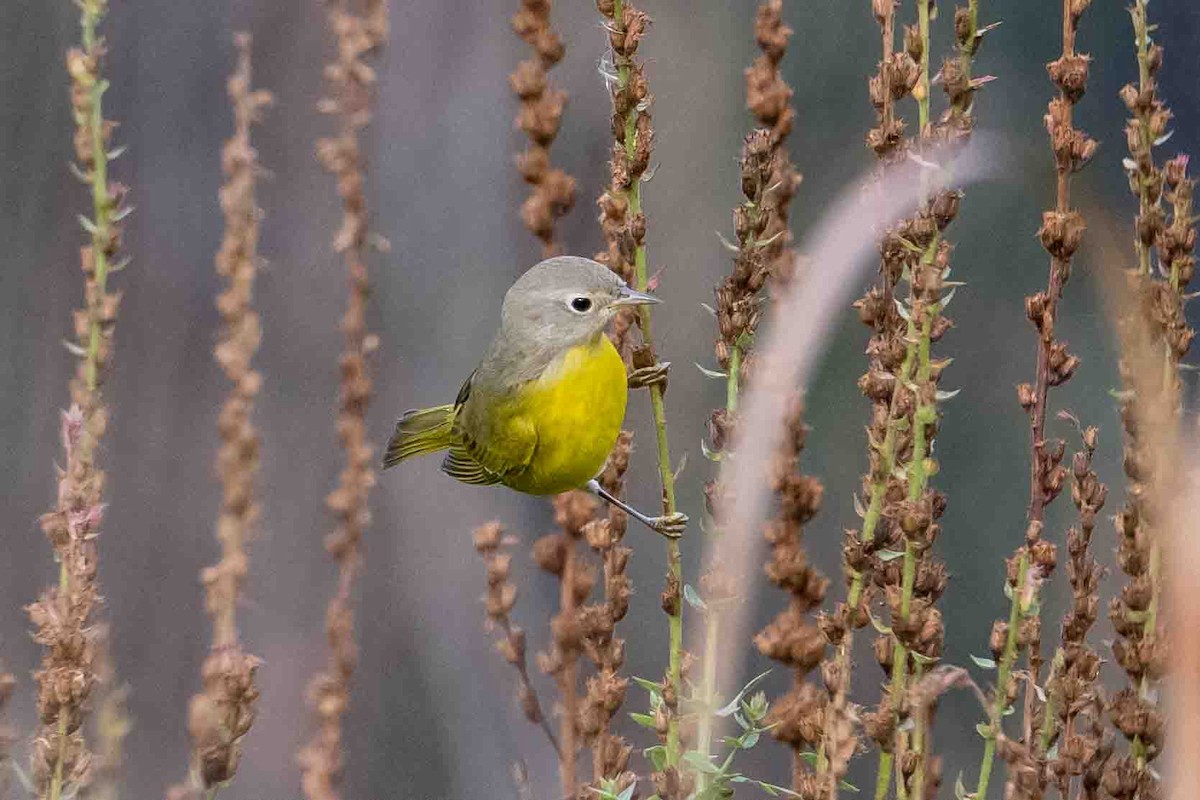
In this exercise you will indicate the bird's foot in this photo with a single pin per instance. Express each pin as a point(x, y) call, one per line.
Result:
point(670, 526)
point(653, 375)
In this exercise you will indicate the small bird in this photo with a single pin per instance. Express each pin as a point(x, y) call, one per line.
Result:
point(542, 411)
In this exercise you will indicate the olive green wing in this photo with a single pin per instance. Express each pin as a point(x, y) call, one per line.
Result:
point(494, 439)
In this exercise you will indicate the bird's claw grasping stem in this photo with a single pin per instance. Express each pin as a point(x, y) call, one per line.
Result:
point(653, 375)
point(671, 525)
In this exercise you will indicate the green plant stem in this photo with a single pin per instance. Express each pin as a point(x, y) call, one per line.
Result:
point(1008, 658)
point(674, 561)
point(92, 11)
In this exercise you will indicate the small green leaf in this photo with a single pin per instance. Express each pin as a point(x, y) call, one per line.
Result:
point(650, 686)
point(984, 663)
point(907, 245)
point(902, 311)
point(942, 397)
point(692, 598)
point(889, 555)
point(809, 757)
point(1166, 137)
point(116, 152)
point(87, 224)
point(923, 659)
point(628, 793)
point(878, 625)
point(728, 245)
point(709, 308)
point(74, 349)
point(769, 241)
point(749, 740)
point(712, 373)
point(984, 730)
point(960, 791)
point(645, 720)
point(732, 706)
point(847, 786)
point(1009, 711)
point(657, 756)
point(712, 455)
point(858, 507)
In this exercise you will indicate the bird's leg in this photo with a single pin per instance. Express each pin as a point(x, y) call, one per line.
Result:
point(670, 526)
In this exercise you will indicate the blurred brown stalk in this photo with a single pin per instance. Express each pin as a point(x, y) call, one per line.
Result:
point(357, 37)
point(221, 714)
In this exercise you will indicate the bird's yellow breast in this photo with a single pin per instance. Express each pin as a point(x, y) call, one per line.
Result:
point(577, 407)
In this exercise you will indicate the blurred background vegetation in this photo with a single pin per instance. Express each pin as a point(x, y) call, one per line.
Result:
point(433, 706)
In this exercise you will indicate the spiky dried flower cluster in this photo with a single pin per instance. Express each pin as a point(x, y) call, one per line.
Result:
point(221, 714)
point(1141, 647)
point(552, 191)
point(63, 614)
point(1035, 559)
point(492, 543)
point(792, 638)
point(894, 80)
point(624, 227)
point(357, 36)
point(904, 509)
point(558, 554)
point(607, 688)
point(1083, 742)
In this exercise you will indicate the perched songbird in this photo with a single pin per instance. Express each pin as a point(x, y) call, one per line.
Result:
point(544, 408)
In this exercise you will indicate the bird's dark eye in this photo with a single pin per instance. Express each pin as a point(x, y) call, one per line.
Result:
point(581, 304)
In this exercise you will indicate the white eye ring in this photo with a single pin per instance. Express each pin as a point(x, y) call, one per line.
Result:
point(580, 304)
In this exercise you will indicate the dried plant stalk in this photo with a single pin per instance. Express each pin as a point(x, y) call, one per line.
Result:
point(894, 80)
point(558, 554)
point(1140, 649)
point(763, 252)
point(792, 638)
point(493, 545)
point(221, 714)
point(624, 225)
point(1031, 564)
point(552, 191)
point(1074, 712)
point(353, 82)
point(606, 689)
point(911, 578)
point(63, 615)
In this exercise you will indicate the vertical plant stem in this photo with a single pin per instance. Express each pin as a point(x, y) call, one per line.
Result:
point(672, 595)
point(62, 615)
point(1003, 675)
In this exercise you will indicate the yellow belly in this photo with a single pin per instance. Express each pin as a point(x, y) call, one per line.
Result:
point(577, 407)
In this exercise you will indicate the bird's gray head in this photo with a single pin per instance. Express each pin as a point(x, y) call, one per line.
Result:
point(564, 301)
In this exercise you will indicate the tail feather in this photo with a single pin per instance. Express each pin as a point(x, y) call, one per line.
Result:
point(418, 432)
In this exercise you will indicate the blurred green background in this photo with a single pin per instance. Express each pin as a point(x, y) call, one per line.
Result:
point(433, 714)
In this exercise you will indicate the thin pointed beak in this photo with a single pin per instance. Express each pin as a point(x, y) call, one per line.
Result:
point(629, 297)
